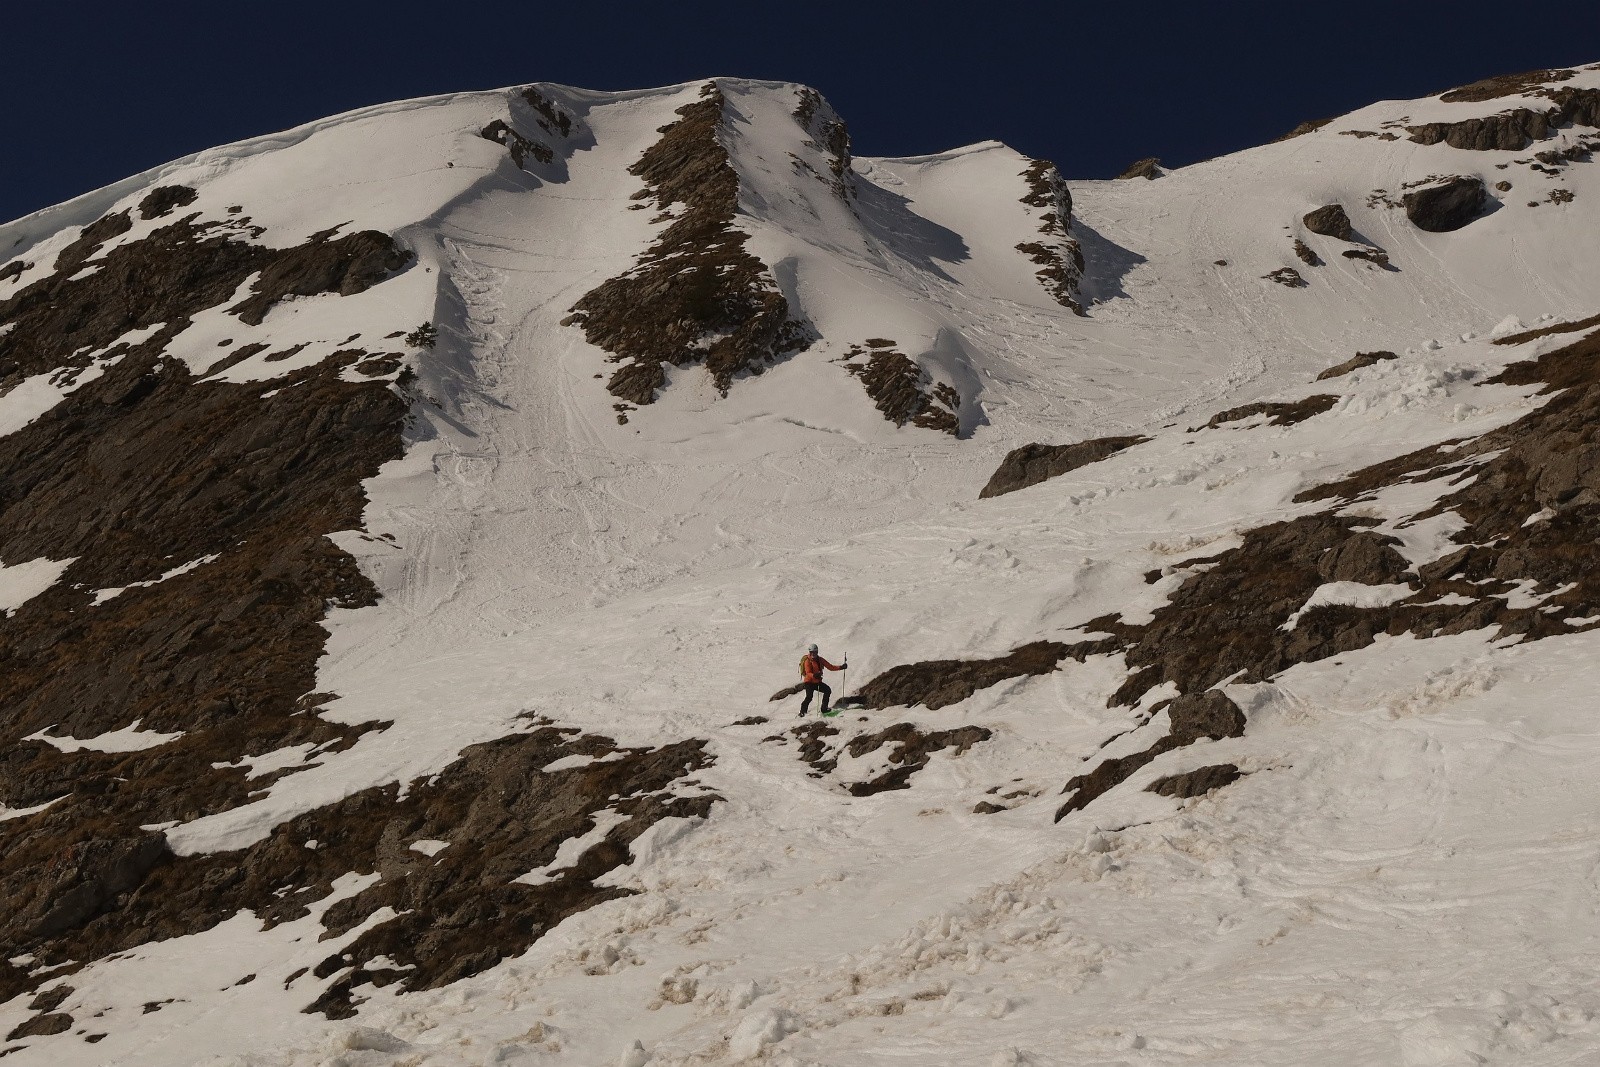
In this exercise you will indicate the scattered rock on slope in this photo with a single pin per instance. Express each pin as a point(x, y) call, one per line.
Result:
point(1035, 463)
point(1149, 168)
point(1446, 205)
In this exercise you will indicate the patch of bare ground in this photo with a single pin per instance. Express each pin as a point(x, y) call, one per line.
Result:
point(1278, 413)
point(1355, 363)
point(904, 392)
point(1286, 276)
point(1035, 463)
point(696, 296)
point(1057, 254)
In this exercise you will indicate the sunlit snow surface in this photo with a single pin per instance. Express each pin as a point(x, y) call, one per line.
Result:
point(1405, 875)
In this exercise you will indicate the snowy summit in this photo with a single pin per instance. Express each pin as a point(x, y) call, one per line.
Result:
point(412, 523)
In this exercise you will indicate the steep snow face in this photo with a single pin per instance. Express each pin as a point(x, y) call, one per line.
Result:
point(1247, 720)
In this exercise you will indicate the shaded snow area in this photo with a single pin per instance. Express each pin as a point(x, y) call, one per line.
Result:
point(1380, 850)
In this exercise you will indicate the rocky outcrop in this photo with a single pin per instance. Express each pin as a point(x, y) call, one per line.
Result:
point(1286, 276)
point(350, 264)
point(1035, 463)
point(696, 296)
point(1278, 413)
point(1515, 129)
point(1057, 254)
point(910, 748)
point(133, 473)
point(1148, 168)
point(1446, 205)
point(1306, 254)
point(1308, 126)
point(1505, 85)
point(829, 134)
point(1192, 717)
point(937, 683)
point(1355, 363)
point(1330, 221)
point(906, 393)
point(520, 147)
point(1376, 256)
point(163, 199)
point(1575, 326)
point(1195, 783)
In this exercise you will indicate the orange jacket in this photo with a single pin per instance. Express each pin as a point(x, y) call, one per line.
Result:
point(811, 668)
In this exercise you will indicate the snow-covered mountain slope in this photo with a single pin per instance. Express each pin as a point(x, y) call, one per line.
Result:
point(407, 517)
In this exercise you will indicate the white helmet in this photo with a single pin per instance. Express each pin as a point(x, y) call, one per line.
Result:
point(811, 649)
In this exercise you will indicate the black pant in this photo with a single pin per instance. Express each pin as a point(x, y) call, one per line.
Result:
point(812, 687)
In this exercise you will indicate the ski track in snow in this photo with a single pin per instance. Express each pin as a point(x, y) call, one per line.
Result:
point(1406, 874)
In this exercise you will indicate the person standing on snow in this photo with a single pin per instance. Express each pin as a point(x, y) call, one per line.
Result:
point(811, 667)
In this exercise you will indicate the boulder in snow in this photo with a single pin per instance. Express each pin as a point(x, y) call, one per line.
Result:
point(1446, 205)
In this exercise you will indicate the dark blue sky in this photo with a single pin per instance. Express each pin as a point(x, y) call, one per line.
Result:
point(99, 90)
